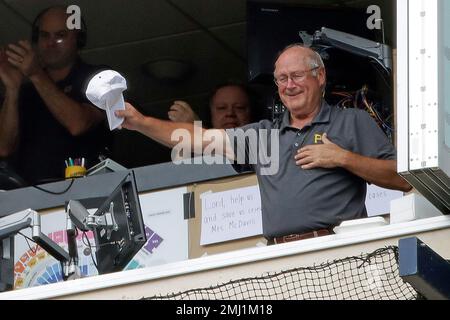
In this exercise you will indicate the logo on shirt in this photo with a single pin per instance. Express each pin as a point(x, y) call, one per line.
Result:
point(317, 138)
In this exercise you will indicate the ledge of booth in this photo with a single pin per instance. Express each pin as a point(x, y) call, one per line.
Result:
point(148, 178)
point(265, 258)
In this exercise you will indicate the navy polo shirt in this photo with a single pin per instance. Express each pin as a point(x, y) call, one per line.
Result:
point(296, 200)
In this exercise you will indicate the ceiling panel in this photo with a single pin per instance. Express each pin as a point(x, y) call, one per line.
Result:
point(117, 21)
point(12, 26)
point(211, 13)
point(212, 64)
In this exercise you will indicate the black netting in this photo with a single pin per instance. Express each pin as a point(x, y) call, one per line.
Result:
point(368, 276)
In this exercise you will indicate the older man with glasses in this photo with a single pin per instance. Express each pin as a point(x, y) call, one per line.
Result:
point(326, 154)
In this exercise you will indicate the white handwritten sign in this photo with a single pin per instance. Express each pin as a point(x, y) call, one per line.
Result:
point(230, 215)
point(378, 199)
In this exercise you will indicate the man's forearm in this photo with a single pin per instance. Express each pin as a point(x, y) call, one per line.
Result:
point(161, 130)
point(74, 116)
point(196, 137)
point(9, 123)
point(380, 172)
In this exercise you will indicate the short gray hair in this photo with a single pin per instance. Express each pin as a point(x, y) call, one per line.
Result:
point(314, 59)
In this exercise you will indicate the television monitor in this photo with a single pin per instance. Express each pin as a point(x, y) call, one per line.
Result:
point(115, 248)
point(117, 225)
point(272, 26)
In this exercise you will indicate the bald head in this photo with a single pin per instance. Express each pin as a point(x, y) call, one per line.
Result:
point(53, 14)
point(56, 44)
point(60, 10)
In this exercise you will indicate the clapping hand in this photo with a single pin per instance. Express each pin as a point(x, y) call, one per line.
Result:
point(10, 75)
point(181, 111)
point(23, 57)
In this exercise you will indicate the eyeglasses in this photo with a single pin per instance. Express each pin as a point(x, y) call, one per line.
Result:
point(296, 77)
point(58, 37)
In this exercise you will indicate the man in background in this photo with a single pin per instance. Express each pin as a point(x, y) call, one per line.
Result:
point(46, 117)
point(231, 105)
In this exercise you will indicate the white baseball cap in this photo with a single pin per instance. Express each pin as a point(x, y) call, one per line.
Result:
point(104, 90)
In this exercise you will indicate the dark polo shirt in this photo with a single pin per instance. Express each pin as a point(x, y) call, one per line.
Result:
point(296, 200)
point(44, 144)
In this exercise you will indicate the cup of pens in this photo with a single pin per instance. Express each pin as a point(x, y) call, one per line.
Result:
point(75, 168)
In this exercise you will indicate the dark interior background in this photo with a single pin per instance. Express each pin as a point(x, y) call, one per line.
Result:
point(213, 37)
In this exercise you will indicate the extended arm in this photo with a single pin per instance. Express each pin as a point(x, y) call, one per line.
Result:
point(76, 117)
point(165, 131)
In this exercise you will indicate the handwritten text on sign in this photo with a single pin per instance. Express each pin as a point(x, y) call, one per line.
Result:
point(378, 199)
point(231, 215)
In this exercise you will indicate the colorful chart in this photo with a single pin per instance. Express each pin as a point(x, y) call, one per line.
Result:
point(36, 267)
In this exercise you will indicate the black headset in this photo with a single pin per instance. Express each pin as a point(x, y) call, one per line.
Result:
point(81, 34)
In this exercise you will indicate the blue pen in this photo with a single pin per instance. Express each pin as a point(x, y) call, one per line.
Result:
point(67, 164)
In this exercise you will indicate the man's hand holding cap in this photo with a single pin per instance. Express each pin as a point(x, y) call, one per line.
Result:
point(105, 91)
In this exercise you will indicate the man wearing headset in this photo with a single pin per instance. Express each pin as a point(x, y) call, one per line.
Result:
point(45, 117)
